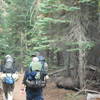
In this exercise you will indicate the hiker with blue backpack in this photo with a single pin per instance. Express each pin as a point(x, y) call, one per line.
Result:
point(34, 79)
point(8, 76)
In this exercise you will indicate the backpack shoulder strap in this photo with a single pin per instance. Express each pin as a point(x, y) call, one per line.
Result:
point(11, 75)
point(30, 67)
point(42, 68)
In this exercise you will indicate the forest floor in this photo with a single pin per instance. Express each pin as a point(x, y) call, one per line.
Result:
point(51, 92)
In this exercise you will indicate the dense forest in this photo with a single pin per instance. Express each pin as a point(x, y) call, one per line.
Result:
point(66, 32)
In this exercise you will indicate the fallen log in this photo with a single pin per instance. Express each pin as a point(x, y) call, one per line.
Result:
point(67, 83)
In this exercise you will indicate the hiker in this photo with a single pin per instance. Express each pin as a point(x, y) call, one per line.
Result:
point(8, 76)
point(35, 74)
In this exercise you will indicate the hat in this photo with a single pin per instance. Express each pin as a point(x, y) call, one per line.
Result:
point(35, 59)
point(33, 54)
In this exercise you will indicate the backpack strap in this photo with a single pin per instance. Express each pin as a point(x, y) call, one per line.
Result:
point(43, 72)
point(30, 67)
point(42, 68)
point(8, 76)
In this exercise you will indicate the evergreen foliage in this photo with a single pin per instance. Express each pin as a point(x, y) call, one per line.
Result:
point(27, 25)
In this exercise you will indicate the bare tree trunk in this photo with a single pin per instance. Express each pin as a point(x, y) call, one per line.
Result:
point(60, 60)
point(21, 51)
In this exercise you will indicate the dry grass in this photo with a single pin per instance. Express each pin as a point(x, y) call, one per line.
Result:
point(71, 96)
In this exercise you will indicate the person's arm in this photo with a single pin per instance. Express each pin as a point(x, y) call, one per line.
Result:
point(26, 72)
point(46, 67)
point(24, 79)
point(46, 70)
point(30, 66)
point(25, 76)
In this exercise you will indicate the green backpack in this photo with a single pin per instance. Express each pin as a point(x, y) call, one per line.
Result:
point(38, 82)
point(36, 66)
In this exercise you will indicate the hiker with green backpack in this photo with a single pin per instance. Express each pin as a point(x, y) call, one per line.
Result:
point(34, 80)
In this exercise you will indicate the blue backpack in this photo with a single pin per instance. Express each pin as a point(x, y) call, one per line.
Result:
point(31, 75)
point(8, 80)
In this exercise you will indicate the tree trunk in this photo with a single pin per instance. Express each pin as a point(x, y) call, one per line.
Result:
point(60, 58)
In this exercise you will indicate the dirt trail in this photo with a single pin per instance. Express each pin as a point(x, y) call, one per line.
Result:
point(50, 92)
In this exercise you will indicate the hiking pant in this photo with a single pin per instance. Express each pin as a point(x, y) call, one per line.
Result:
point(8, 91)
point(34, 94)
